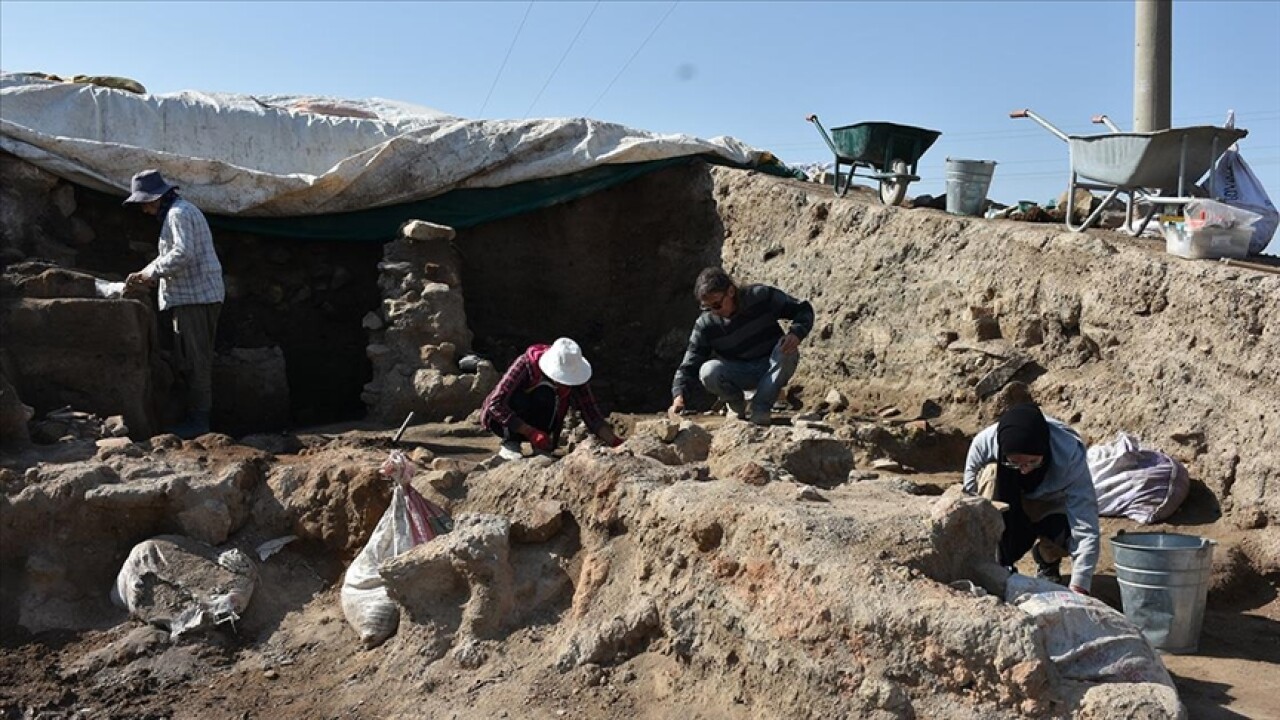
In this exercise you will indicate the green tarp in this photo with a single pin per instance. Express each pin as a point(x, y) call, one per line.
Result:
point(460, 208)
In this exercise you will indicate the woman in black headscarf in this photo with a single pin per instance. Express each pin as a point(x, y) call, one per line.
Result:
point(1037, 467)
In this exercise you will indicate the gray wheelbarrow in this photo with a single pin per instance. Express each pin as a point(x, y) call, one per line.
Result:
point(1157, 168)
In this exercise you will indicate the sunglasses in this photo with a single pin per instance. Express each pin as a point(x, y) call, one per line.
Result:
point(1027, 465)
point(714, 306)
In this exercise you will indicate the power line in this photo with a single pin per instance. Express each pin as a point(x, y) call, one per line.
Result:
point(633, 57)
point(506, 57)
point(562, 57)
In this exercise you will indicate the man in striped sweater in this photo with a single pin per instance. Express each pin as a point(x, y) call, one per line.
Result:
point(737, 344)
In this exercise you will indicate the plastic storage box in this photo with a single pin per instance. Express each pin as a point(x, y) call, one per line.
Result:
point(1206, 242)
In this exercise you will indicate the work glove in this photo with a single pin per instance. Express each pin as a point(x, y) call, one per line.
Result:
point(540, 440)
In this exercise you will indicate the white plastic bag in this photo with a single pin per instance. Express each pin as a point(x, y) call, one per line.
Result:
point(1144, 485)
point(1236, 185)
point(1203, 213)
point(408, 521)
point(183, 584)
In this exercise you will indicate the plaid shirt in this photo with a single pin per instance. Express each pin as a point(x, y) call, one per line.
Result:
point(524, 375)
point(188, 267)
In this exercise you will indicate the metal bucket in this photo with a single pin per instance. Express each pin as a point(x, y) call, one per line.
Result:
point(967, 185)
point(1164, 580)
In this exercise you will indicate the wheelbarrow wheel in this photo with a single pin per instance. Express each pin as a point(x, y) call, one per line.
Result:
point(893, 191)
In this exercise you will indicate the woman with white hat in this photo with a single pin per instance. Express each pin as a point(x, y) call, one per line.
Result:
point(535, 394)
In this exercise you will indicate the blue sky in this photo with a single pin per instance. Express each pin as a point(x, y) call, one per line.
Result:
point(752, 70)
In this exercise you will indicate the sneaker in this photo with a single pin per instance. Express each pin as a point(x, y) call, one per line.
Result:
point(510, 450)
point(763, 418)
point(736, 410)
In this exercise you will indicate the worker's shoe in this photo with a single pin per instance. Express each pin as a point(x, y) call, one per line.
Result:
point(193, 426)
point(763, 418)
point(510, 450)
point(736, 410)
point(1045, 569)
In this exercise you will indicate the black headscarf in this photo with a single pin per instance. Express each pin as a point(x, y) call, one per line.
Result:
point(1022, 430)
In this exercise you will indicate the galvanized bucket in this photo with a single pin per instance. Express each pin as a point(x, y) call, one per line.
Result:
point(967, 185)
point(1164, 580)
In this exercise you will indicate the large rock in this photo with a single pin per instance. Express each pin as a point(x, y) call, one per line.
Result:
point(764, 595)
point(459, 583)
point(333, 498)
point(809, 456)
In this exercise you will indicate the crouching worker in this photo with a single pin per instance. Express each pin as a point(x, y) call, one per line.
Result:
point(535, 394)
point(737, 344)
point(1037, 467)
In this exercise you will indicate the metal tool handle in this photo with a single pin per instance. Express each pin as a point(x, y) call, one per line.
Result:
point(403, 426)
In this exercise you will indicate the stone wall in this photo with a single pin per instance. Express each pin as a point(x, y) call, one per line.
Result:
point(420, 333)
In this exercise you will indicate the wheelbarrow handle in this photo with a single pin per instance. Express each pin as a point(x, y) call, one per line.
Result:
point(1026, 113)
point(811, 118)
point(1104, 120)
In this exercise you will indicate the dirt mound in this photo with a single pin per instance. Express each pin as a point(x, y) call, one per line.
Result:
point(599, 582)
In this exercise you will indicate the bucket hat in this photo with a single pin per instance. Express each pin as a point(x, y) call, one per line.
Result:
point(148, 185)
point(563, 363)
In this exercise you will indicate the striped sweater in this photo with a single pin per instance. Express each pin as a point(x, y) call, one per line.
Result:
point(749, 334)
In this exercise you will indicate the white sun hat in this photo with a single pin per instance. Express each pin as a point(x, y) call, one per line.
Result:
point(563, 363)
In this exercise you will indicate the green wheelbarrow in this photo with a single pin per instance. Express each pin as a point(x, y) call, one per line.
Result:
point(889, 150)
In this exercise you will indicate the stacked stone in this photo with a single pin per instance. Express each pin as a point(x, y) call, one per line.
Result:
point(420, 332)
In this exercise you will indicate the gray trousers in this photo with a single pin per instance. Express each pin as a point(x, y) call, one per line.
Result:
point(194, 328)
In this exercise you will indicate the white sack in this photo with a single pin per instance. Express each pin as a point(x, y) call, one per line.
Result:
point(410, 520)
point(365, 603)
point(1144, 485)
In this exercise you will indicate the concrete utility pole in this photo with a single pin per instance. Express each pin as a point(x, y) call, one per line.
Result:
point(1152, 64)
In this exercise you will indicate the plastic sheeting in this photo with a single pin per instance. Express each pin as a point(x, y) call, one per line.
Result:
point(287, 156)
point(1085, 638)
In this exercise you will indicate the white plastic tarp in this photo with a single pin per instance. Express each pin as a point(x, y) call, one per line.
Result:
point(285, 156)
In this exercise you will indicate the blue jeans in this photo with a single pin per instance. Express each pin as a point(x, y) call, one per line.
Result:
point(727, 379)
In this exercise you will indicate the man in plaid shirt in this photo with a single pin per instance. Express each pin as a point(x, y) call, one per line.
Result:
point(190, 279)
